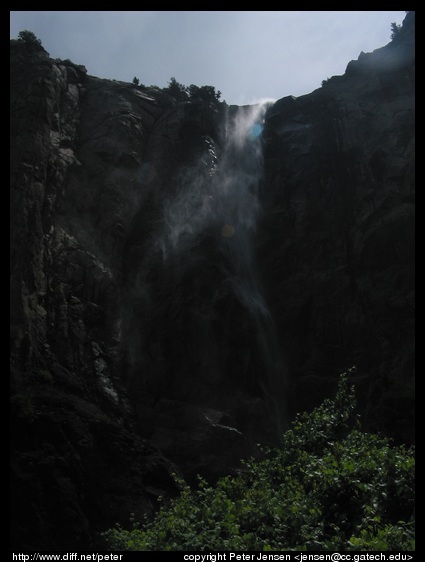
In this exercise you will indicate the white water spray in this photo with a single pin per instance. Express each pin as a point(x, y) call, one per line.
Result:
point(222, 192)
point(219, 199)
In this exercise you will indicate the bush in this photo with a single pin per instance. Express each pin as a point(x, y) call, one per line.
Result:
point(181, 93)
point(395, 30)
point(329, 486)
point(176, 90)
point(29, 39)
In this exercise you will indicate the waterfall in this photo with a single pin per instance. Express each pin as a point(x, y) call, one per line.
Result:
point(239, 180)
point(222, 191)
point(208, 232)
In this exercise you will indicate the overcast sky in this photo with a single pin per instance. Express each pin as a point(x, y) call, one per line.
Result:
point(246, 55)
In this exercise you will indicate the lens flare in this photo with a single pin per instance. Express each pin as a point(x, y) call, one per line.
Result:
point(255, 131)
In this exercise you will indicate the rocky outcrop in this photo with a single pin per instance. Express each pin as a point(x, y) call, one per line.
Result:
point(164, 318)
point(101, 326)
point(77, 462)
point(337, 241)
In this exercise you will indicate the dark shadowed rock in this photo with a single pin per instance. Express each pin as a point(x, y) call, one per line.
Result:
point(336, 241)
point(78, 465)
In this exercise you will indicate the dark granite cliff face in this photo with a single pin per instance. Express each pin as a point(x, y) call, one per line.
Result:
point(337, 239)
point(77, 462)
point(165, 315)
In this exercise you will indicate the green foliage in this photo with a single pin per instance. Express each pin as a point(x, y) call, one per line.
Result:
point(203, 93)
point(176, 90)
point(329, 486)
point(395, 30)
point(136, 81)
point(29, 39)
point(80, 68)
point(179, 92)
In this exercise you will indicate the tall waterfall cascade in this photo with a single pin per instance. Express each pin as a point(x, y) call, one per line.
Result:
point(218, 200)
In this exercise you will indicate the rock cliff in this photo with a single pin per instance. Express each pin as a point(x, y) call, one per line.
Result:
point(176, 299)
point(337, 238)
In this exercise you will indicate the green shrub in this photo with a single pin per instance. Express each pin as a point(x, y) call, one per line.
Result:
point(30, 40)
point(329, 486)
point(181, 93)
point(395, 30)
